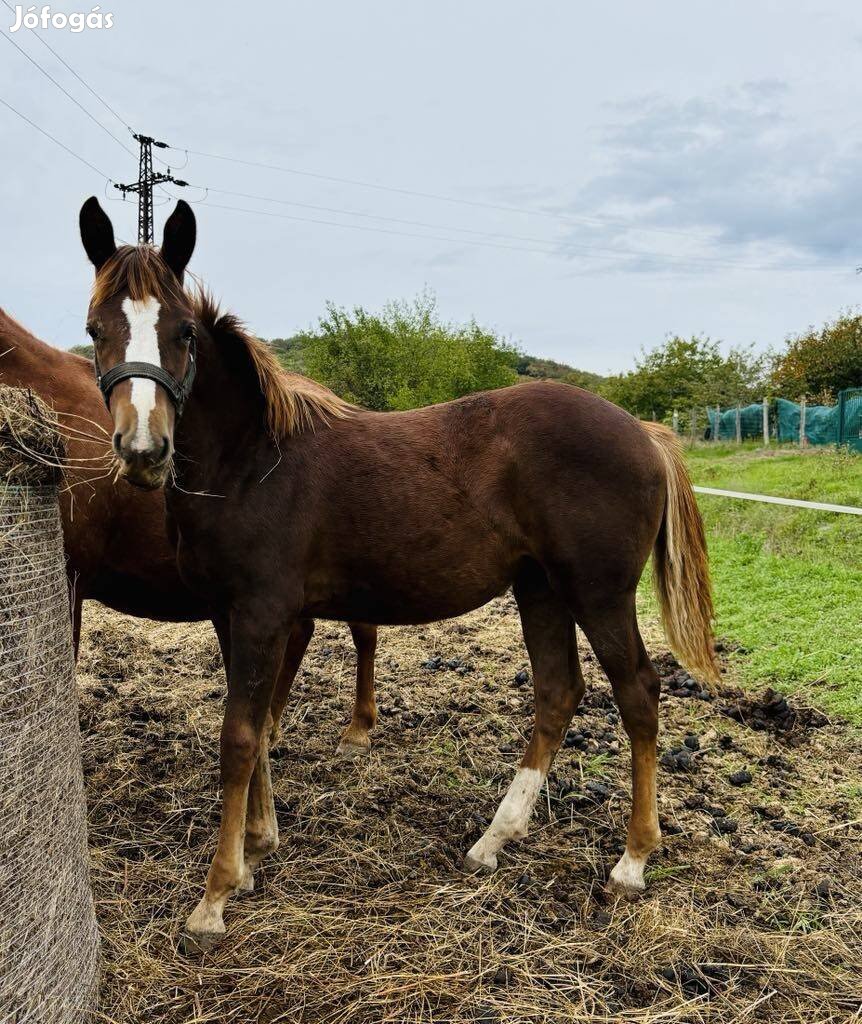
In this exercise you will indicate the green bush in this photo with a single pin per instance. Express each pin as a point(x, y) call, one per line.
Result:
point(404, 357)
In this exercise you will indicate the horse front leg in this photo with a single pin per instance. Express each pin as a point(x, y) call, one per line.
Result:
point(256, 653)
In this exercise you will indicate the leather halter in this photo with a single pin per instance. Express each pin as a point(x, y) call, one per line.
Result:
point(178, 391)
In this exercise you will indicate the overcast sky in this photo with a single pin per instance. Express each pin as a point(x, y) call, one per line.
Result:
point(673, 167)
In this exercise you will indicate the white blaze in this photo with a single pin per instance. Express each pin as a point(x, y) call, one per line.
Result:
point(143, 347)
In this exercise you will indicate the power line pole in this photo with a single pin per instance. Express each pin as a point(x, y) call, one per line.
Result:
point(144, 186)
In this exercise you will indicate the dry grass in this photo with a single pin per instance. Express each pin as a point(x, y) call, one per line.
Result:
point(363, 915)
point(32, 452)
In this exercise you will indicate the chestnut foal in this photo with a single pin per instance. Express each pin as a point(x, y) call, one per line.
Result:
point(328, 511)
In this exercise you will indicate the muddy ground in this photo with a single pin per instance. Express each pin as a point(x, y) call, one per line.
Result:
point(754, 903)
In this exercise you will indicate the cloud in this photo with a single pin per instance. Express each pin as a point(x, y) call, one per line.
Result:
point(735, 175)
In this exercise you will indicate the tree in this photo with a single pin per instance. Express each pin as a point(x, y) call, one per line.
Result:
point(820, 363)
point(684, 373)
point(404, 357)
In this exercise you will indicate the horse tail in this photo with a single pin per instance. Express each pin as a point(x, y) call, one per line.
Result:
point(681, 563)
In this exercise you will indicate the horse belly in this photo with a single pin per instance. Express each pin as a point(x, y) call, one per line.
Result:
point(409, 592)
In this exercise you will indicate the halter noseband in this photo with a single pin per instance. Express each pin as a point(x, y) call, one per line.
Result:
point(178, 391)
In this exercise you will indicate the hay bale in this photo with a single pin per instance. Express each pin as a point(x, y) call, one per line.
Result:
point(48, 934)
point(31, 448)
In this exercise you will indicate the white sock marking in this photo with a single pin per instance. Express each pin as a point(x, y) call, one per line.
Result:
point(143, 347)
point(629, 871)
point(512, 817)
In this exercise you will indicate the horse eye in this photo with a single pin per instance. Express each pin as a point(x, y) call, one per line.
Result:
point(93, 331)
point(188, 332)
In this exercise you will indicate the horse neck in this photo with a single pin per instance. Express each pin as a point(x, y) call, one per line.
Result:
point(25, 361)
point(223, 425)
point(64, 380)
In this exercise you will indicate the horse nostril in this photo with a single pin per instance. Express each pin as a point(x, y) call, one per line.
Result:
point(117, 442)
point(166, 449)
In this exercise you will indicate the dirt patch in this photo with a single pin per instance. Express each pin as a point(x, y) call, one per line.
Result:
point(754, 902)
point(774, 713)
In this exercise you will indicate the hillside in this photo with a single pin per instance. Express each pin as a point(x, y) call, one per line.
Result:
point(550, 369)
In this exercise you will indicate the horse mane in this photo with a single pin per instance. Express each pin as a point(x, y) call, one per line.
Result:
point(141, 271)
point(293, 402)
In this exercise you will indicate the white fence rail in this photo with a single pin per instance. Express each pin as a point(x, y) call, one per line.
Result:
point(769, 499)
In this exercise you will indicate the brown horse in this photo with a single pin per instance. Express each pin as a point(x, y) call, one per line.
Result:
point(325, 510)
point(99, 518)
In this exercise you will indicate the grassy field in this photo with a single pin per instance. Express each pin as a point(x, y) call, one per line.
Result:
point(788, 582)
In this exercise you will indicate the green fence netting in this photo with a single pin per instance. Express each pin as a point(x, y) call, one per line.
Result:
point(822, 422)
point(723, 424)
point(850, 406)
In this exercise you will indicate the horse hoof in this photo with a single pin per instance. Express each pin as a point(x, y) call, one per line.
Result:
point(196, 943)
point(247, 883)
point(627, 877)
point(349, 751)
point(476, 863)
point(625, 891)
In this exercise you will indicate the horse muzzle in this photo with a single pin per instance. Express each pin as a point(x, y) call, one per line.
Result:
point(146, 476)
point(147, 469)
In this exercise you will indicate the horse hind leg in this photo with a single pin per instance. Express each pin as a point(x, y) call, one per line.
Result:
point(297, 645)
point(549, 633)
point(355, 740)
point(616, 641)
point(261, 824)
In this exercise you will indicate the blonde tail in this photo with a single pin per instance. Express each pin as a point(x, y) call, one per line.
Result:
point(681, 564)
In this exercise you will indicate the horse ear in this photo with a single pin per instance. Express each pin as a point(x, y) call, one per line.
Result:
point(97, 234)
point(178, 241)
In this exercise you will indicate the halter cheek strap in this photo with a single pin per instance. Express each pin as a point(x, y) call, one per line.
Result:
point(178, 391)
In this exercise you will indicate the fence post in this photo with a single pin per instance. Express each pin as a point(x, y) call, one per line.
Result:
point(738, 424)
point(675, 422)
point(717, 430)
point(803, 440)
point(765, 423)
point(842, 409)
point(694, 425)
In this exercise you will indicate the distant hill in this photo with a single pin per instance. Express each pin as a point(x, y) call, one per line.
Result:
point(550, 369)
point(290, 352)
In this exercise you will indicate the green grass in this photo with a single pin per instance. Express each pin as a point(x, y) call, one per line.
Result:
point(788, 582)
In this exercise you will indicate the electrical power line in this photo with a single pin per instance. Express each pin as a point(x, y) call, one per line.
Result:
point(72, 71)
point(57, 142)
point(65, 92)
point(555, 246)
point(550, 247)
point(602, 222)
point(474, 242)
